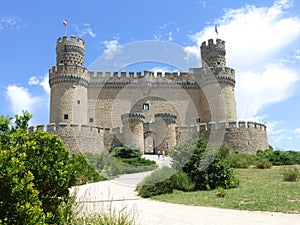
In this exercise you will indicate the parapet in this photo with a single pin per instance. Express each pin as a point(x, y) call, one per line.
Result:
point(226, 125)
point(133, 117)
point(72, 41)
point(123, 75)
point(167, 117)
point(219, 44)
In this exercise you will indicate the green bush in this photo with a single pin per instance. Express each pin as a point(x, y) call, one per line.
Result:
point(36, 172)
point(182, 182)
point(84, 172)
point(205, 167)
point(278, 158)
point(126, 152)
point(242, 160)
point(291, 174)
point(136, 165)
point(156, 183)
point(263, 164)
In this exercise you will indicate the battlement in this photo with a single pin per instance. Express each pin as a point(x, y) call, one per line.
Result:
point(210, 44)
point(67, 69)
point(223, 71)
point(72, 41)
point(167, 117)
point(123, 75)
point(133, 117)
point(53, 128)
point(229, 126)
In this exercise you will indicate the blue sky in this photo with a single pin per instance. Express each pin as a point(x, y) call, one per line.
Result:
point(262, 42)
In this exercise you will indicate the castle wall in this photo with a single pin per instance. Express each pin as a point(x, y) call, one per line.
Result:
point(240, 136)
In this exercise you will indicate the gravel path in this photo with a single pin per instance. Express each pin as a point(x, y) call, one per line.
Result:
point(119, 194)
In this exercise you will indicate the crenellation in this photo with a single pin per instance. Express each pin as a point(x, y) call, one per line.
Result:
point(232, 124)
point(40, 127)
point(75, 127)
point(242, 124)
point(51, 128)
point(212, 125)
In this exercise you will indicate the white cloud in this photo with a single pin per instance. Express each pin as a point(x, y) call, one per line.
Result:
point(256, 40)
point(112, 47)
point(41, 81)
point(10, 22)
point(297, 132)
point(85, 30)
point(21, 99)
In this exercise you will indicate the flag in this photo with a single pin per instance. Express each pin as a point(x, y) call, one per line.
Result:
point(64, 23)
point(216, 29)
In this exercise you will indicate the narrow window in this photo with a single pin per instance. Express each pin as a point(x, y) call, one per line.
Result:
point(91, 120)
point(145, 106)
point(78, 102)
point(248, 142)
point(198, 120)
point(66, 116)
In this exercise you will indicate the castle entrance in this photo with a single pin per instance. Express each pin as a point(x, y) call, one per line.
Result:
point(149, 143)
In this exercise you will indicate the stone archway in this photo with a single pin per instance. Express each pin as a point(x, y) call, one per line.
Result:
point(149, 143)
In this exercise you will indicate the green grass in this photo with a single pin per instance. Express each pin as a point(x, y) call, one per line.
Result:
point(262, 190)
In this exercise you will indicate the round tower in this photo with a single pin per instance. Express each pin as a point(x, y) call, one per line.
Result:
point(133, 129)
point(213, 58)
point(68, 83)
point(165, 131)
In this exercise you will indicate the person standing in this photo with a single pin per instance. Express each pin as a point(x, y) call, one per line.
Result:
point(158, 154)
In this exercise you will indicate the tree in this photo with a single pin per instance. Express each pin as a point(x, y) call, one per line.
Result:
point(36, 172)
point(207, 168)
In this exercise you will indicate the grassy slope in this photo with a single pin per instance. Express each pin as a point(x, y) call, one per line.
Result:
point(259, 189)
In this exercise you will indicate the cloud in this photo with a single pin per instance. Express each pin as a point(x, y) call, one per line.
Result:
point(20, 99)
point(13, 22)
point(86, 30)
point(202, 3)
point(166, 32)
point(257, 38)
point(112, 47)
point(41, 81)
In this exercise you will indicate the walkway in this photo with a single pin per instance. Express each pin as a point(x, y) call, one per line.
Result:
point(119, 194)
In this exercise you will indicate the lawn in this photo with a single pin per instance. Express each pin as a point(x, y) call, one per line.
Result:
point(260, 189)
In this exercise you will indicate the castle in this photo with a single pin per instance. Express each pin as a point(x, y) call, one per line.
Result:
point(91, 111)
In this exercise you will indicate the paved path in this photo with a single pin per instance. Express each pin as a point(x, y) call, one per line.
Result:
point(119, 194)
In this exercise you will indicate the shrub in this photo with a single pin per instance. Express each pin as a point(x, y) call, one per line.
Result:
point(278, 158)
point(263, 164)
point(182, 182)
point(113, 166)
point(221, 192)
point(291, 174)
point(242, 160)
point(126, 152)
point(156, 183)
point(84, 172)
point(136, 165)
point(37, 172)
point(204, 166)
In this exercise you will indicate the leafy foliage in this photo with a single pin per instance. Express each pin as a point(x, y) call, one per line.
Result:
point(242, 160)
point(291, 174)
point(35, 175)
point(204, 166)
point(263, 163)
point(84, 172)
point(126, 152)
point(278, 158)
point(181, 181)
point(156, 183)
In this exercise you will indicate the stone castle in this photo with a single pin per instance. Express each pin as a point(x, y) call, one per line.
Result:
point(154, 111)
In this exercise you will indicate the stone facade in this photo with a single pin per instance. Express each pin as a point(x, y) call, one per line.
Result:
point(154, 111)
